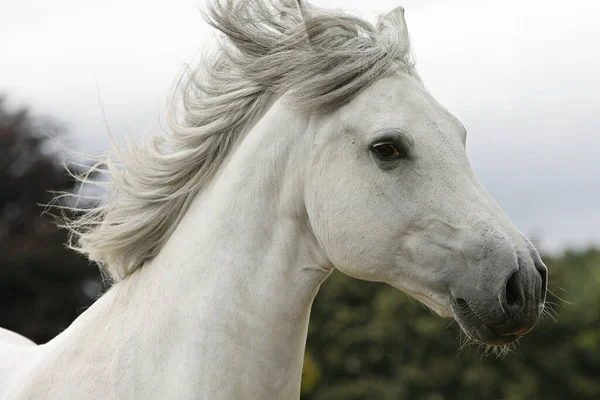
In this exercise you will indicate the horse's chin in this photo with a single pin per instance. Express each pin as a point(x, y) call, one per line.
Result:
point(469, 323)
point(488, 337)
point(480, 332)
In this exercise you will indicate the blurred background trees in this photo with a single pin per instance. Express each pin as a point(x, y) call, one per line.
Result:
point(43, 285)
point(366, 340)
point(369, 341)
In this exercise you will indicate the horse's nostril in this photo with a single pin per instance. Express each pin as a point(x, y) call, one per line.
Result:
point(513, 290)
point(544, 274)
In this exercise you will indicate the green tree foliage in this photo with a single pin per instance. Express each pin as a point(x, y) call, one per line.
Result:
point(43, 285)
point(369, 341)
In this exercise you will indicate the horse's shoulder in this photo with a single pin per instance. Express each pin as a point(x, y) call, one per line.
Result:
point(12, 338)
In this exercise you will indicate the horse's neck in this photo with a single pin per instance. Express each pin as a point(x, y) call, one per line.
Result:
point(224, 307)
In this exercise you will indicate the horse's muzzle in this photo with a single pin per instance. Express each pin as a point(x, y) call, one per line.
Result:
point(498, 314)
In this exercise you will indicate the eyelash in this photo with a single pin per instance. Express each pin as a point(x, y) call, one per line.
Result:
point(388, 151)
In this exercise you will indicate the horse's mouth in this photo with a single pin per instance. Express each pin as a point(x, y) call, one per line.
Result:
point(476, 329)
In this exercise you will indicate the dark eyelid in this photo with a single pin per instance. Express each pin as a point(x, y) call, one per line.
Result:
point(397, 137)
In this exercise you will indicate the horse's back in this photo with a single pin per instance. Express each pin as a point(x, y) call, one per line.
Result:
point(12, 338)
point(16, 359)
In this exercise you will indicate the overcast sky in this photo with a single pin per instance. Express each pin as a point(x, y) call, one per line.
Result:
point(523, 76)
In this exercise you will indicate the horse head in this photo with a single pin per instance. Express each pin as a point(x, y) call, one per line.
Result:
point(391, 197)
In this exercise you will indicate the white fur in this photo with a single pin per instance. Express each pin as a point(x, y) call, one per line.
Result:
point(222, 310)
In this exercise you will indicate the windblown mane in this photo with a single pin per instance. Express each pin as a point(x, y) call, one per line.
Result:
point(319, 59)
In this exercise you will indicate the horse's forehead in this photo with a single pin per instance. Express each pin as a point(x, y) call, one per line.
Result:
point(398, 102)
point(395, 100)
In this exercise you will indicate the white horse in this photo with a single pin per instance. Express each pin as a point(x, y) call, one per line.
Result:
point(308, 143)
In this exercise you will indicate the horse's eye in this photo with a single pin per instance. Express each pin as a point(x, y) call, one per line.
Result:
point(387, 151)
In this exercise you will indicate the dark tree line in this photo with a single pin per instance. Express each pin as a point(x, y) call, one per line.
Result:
point(366, 340)
point(369, 341)
point(43, 285)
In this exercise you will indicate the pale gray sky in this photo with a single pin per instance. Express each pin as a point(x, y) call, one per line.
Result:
point(523, 76)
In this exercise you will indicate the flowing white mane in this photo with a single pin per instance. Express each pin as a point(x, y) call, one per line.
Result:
point(319, 59)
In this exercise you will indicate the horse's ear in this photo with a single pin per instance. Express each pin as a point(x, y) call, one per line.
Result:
point(302, 9)
point(315, 30)
point(392, 29)
point(301, 4)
